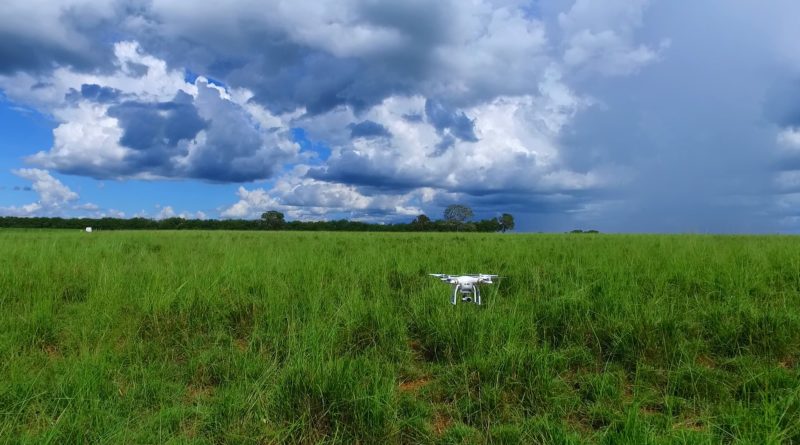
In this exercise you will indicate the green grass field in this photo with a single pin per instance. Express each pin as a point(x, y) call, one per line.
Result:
point(243, 337)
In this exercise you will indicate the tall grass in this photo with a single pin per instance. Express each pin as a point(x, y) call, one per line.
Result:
point(212, 337)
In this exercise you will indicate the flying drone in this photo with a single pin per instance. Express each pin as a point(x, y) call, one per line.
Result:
point(465, 285)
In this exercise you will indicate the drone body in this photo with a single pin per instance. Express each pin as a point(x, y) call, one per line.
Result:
point(466, 285)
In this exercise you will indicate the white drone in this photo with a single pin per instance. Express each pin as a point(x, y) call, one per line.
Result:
point(466, 285)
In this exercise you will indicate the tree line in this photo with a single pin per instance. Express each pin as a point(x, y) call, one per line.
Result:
point(457, 218)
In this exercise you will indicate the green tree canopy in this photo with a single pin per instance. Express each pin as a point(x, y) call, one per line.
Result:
point(273, 219)
point(421, 219)
point(506, 222)
point(457, 213)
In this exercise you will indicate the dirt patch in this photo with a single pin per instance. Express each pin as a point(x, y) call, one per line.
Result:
point(441, 422)
point(190, 427)
point(580, 425)
point(628, 393)
point(120, 344)
point(788, 363)
point(706, 361)
point(649, 410)
point(690, 424)
point(122, 389)
point(52, 351)
point(240, 344)
point(195, 393)
point(413, 385)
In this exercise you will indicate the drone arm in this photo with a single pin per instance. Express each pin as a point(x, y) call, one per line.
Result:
point(456, 288)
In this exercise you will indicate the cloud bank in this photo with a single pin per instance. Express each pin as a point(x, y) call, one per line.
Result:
point(615, 114)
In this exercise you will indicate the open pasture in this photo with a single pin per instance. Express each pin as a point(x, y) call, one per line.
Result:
point(266, 337)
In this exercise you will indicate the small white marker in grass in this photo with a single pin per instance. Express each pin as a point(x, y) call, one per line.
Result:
point(466, 285)
point(88, 230)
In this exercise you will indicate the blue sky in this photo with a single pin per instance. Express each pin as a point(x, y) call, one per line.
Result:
point(619, 115)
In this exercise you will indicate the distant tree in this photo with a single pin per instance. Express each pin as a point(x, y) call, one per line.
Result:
point(174, 223)
point(273, 219)
point(506, 222)
point(489, 225)
point(421, 222)
point(457, 213)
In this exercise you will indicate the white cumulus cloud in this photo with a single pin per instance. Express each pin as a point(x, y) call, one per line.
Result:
point(54, 196)
point(301, 197)
point(149, 122)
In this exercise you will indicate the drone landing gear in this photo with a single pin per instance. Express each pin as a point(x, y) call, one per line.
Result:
point(475, 298)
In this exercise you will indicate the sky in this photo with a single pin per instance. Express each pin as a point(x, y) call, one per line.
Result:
point(615, 115)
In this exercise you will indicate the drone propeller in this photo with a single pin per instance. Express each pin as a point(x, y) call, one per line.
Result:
point(485, 278)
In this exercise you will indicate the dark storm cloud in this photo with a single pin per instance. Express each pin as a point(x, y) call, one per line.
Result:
point(413, 117)
point(206, 137)
point(137, 69)
point(353, 169)
point(516, 202)
point(154, 130)
point(149, 125)
point(299, 83)
point(696, 147)
point(782, 103)
point(423, 22)
point(287, 73)
point(22, 53)
point(445, 144)
point(368, 129)
point(447, 119)
point(318, 82)
point(284, 75)
point(234, 149)
point(94, 93)
point(67, 34)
